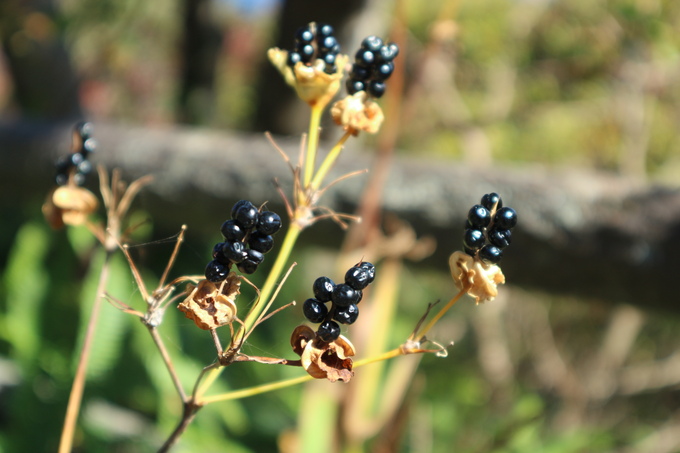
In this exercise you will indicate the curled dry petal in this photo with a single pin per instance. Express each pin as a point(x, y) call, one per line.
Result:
point(323, 360)
point(208, 306)
point(478, 279)
point(312, 83)
point(69, 205)
point(357, 113)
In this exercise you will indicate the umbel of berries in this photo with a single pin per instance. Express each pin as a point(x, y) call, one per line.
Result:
point(68, 203)
point(373, 65)
point(247, 238)
point(344, 299)
point(314, 66)
point(488, 229)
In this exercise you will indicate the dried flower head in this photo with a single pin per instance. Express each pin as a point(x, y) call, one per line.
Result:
point(210, 305)
point(69, 205)
point(478, 279)
point(357, 112)
point(320, 359)
point(311, 82)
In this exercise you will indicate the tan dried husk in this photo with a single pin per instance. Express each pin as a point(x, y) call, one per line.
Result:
point(320, 359)
point(209, 307)
point(356, 113)
point(69, 205)
point(478, 279)
point(311, 83)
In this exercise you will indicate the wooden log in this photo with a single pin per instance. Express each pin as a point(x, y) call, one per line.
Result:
point(580, 233)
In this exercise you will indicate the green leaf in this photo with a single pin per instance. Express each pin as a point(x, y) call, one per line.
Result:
point(26, 289)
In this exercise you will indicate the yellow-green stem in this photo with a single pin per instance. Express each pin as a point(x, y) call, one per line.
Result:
point(328, 162)
point(312, 143)
point(378, 358)
point(251, 391)
point(421, 333)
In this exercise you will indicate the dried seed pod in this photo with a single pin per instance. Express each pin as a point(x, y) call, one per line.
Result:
point(210, 305)
point(320, 359)
point(478, 279)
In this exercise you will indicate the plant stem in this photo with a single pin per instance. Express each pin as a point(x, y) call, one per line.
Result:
point(76, 395)
point(190, 410)
point(251, 391)
point(168, 362)
point(421, 334)
point(312, 143)
point(328, 161)
point(378, 358)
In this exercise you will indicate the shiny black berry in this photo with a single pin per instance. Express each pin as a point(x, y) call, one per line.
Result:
point(304, 35)
point(505, 218)
point(473, 239)
point(254, 255)
point(218, 255)
point(370, 268)
point(344, 295)
point(247, 267)
point(261, 242)
point(490, 254)
point(232, 231)
point(500, 238)
point(328, 331)
point(376, 88)
point(347, 315)
point(234, 251)
point(246, 216)
point(293, 58)
point(357, 277)
point(372, 43)
point(216, 271)
point(324, 30)
point(490, 200)
point(360, 73)
point(268, 223)
point(314, 310)
point(364, 58)
point(479, 217)
point(323, 289)
point(388, 52)
point(384, 71)
point(354, 86)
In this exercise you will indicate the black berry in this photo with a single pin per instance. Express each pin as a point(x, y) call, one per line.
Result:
point(314, 310)
point(293, 58)
point(500, 238)
point(354, 86)
point(372, 43)
point(247, 267)
point(304, 35)
point(479, 217)
point(364, 58)
point(370, 268)
point(344, 295)
point(268, 223)
point(216, 271)
point(328, 331)
point(232, 231)
point(473, 239)
point(384, 71)
point(376, 88)
point(357, 277)
point(491, 199)
point(490, 254)
point(324, 30)
point(255, 256)
point(246, 216)
point(347, 315)
point(323, 289)
point(261, 242)
point(505, 218)
point(234, 251)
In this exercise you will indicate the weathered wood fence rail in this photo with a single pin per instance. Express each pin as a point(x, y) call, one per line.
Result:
point(581, 233)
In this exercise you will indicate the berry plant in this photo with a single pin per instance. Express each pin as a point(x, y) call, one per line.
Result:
point(315, 68)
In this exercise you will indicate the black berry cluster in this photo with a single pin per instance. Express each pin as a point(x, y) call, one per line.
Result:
point(373, 65)
point(77, 162)
point(488, 229)
point(344, 299)
point(315, 41)
point(247, 237)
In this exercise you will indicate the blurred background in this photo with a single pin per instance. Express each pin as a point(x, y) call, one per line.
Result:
point(568, 108)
